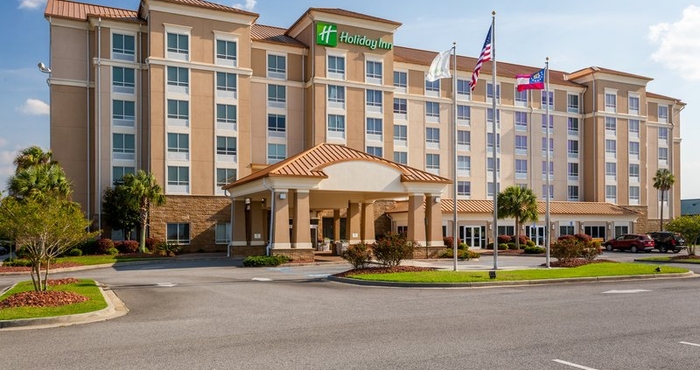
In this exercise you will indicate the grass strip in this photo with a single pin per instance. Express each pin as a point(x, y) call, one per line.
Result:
point(591, 270)
point(102, 259)
point(670, 259)
point(85, 287)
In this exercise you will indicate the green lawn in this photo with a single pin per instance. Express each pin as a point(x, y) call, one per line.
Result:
point(670, 259)
point(591, 270)
point(101, 259)
point(85, 287)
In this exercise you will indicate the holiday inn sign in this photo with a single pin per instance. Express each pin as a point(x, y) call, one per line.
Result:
point(327, 35)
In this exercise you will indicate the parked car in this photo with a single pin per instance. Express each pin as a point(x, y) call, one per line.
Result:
point(668, 241)
point(631, 242)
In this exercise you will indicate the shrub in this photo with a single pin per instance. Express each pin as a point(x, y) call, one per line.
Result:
point(489, 245)
point(462, 246)
point(75, 252)
point(166, 249)
point(503, 247)
point(461, 254)
point(531, 243)
point(128, 246)
point(504, 239)
point(569, 247)
point(448, 241)
point(583, 237)
point(534, 250)
point(392, 248)
point(512, 246)
point(88, 246)
point(103, 245)
point(359, 255)
point(523, 239)
point(151, 243)
point(259, 261)
point(112, 251)
point(591, 250)
point(17, 262)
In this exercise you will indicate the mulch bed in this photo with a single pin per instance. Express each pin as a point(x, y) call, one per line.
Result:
point(48, 298)
point(384, 270)
point(28, 269)
point(575, 263)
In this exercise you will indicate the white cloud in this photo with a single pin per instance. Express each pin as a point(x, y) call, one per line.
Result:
point(7, 168)
point(679, 44)
point(249, 5)
point(3, 142)
point(31, 4)
point(34, 107)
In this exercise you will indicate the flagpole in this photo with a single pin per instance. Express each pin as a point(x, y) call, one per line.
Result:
point(546, 218)
point(495, 143)
point(455, 235)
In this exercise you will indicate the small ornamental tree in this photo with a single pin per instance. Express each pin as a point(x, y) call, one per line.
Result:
point(121, 210)
point(392, 248)
point(520, 204)
point(45, 227)
point(145, 189)
point(689, 228)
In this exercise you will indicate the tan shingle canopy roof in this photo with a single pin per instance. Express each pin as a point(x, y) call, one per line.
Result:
point(259, 32)
point(80, 11)
point(311, 162)
point(213, 6)
point(555, 208)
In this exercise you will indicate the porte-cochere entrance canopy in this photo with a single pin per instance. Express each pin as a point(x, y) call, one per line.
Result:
point(331, 177)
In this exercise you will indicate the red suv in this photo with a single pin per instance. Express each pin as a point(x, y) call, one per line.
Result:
point(631, 242)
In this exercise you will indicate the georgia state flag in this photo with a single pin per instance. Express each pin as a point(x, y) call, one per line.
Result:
point(534, 81)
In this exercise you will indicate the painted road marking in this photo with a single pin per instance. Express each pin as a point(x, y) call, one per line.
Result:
point(626, 291)
point(690, 344)
point(318, 275)
point(573, 365)
point(261, 279)
point(166, 285)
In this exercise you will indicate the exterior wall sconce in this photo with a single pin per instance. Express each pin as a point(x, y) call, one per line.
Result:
point(283, 195)
point(437, 199)
point(247, 200)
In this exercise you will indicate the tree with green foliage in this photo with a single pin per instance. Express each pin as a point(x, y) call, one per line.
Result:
point(689, 228)
point(40, 180)
point(144, 187)
point(46, 227)
point(663, 181)
point(121, 210)
point(520, 204)
point(32, 156)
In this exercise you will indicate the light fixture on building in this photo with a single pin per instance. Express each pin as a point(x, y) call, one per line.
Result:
point(43, 67)
point(283, 195)
point(437, 199)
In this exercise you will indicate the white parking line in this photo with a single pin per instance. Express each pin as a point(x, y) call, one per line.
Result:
point(626, 291)
point(573, 365)
point(690, 344)
point(261, 279)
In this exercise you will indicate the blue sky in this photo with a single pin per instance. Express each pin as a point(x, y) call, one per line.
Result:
point(660, 40)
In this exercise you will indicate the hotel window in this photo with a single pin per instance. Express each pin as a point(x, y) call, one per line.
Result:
point(572, 103)
point(374, 129)
point(544, 170)
point(551, 192)
point(123, 113)
point(400, 106)
point(336, 67)
point(226, 85)
point(663, 156)
point(401, 133)
point(572, 191)
point(178, 233)
point(336, 126)
point(464, 139)
point(490, 187)
point(572, 171)
point(610, 148)
point(225, 176)
point(489, 165)
point(226, 53)
point(432, 88)
point(489, 92)
point(178, 109)
point(464, 188)
point(178, 46)
point(374, 100)
point(611, 193)
point(222, 234)
point(634, 172)
point(432, 162)
point(520, 121)
point(544, 124)
point(336, 96)
point(634, 194)
point(663, 113)
point(520, 145)
point(611, 171)
point(489, 117)
point(464, 165)
point(118, 173)
point(178, 176)
point(373, 72)
point(401, 79)
point(123, 47)
point(663, 134)
point(178, 146)
point(226, 113)
point(276, 96)
point(463, 90)
point(464, 114)
point(521, 98)
point(432, 110)
point(123, 81)
point(375, 151)
point(551, 147)
point(276, 126)
point(276, 153)
point(521, 169)
point(123, 146)
point(572, 126)
point(611, 126)
point(401, 157)
point(432, 137)
point(226, 145)
point(489, 142)
point(610, 102)
point(634, 150)
point(634, 105)
point(572, 148)
point(633, 128)
point(178, 80)
point(595, 231)
point(276, 66)
point(566, 230)
point(547, 97)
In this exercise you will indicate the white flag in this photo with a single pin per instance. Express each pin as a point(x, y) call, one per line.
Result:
point(440, 67)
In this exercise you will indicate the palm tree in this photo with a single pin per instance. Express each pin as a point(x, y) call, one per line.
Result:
point(520, 204)
point(143, 186)
point(32, 156)
point(40, 180)
point(663, 181)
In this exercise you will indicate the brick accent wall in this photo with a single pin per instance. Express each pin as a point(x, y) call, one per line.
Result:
point(643, 224)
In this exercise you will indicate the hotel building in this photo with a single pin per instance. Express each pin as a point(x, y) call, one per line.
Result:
point(332, 113)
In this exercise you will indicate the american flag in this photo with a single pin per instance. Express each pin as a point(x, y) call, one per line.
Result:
point(484, 57)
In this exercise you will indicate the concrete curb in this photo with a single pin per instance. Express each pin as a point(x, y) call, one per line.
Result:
point(115, 308)
point(494, 284)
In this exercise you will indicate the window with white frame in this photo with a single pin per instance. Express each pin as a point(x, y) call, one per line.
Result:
point(610, 126)
point(464, 165)
point(178, 109)
point(118, 173)
point(401, 80)
point(572, 103)
point(610, 101)
point(222, 234)
point(226, 146)
point(633, 128)
point(634, 194)
point(400, 134)
point(489, 165)
point(544, 124)
point(464, 114)
point(551, 192)
point(572, 171)
point(464, 188)
point(464, 139)
point(520, 145)
point(432, 88)
point(178, 176)
point(375, 151)
point(400, 106)
point(489, 142)
point(520, 121)
point(544, 170)
point(225, 176)
point(663, 113)
point(572, 126)
point(545, 147)
point(276, 96)
point(276, 153)
point(634, 150)
point(611, 171)
point(463, 90)
point(432, 137)
point(663, 156)
point(521, 169)
point(123, 113)
point(123, 80)
point(336, 96)
point(178, 146)
point(178, 80)
point(178, 233)
point(336, 67)
point(432, 110)
point(489, 92)
point(610, 148)
point(226, 85)
point(336, 126)
point(572, 191)
point(572, 148)
point(489, 117)
point(123, 47)
point(276, 66)
point(178, 46)
point(123, 146)
point(374, 129)
point(633, 104)
point(611, 193)
point(374, 100)
point(432, 162)
point(373, 72)
point(547, 97)
point(634, 172)
point(226, 52)
point(663, 133)
point(401, 157)
point(226, 114)
point(490, 189)
point(276, 126)
point(521, 98)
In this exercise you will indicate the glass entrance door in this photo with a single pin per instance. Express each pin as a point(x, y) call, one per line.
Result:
point(471, 235)
point(536, 234)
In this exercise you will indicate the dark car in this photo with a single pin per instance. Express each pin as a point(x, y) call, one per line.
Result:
point(667, 241)
point(631, 242)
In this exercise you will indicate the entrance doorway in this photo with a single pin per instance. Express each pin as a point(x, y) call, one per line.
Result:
point(536, 234)
point(471, 235)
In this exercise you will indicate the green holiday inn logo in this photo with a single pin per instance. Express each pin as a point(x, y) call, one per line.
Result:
point(327, 34)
